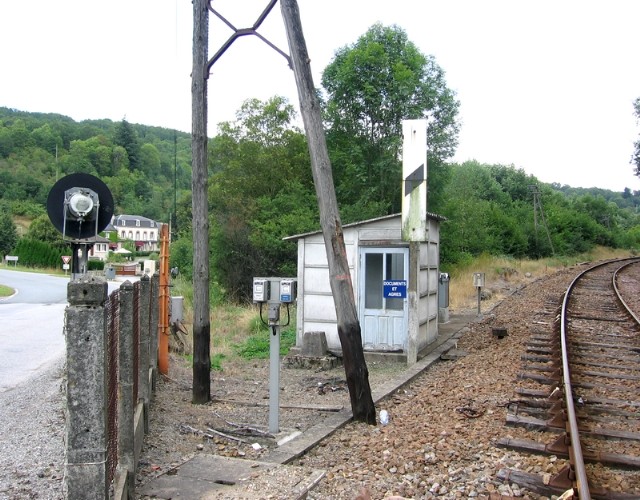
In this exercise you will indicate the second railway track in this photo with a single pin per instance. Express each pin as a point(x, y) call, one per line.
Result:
point(581, 388)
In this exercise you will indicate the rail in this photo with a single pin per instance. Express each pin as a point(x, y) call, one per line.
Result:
point(578, 473)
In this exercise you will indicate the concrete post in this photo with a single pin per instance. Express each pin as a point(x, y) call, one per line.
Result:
point(413, 296)
point(126, 404)
point(154, 317)
point(144, 391)
point(86, 415)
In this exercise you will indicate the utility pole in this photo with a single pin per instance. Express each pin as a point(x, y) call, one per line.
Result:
point(201, 390)
point(537, 208)
point(349, 331)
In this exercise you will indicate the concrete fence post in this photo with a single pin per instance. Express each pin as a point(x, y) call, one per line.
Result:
point(144, 390)
point(126, 404)
point(86, 387)
point(153, 326)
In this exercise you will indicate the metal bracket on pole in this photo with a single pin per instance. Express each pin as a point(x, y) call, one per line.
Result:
point(237, 33)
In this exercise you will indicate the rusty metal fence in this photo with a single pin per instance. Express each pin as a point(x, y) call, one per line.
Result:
point(112, 308)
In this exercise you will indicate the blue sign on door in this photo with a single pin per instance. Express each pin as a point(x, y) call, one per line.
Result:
point(394, 289)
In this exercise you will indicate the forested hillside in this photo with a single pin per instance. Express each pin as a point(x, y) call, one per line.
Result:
point(139, 163)
point(260, 182)
point(261, 190)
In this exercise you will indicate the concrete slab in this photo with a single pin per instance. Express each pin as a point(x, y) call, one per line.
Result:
point(211, 476)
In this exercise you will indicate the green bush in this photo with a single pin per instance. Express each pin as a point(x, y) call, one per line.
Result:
point(35, 253)
point(257, 345)
point(95, 265)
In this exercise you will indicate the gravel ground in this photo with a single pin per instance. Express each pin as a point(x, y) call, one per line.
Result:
point(439, 443)
point(32, 437)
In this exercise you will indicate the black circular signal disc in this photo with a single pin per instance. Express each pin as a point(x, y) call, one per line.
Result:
point(72, 228)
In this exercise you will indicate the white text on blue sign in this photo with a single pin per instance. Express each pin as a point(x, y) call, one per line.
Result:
point(394, 289)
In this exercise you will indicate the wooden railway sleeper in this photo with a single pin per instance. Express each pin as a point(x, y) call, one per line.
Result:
point(565, 478)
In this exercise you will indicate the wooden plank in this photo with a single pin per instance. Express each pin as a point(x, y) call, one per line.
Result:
point(531, 422)
point(538, 378)
point(532, 482)
point(535, 483)
point(541, 448)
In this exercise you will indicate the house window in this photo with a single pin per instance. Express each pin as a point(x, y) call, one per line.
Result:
point(123, 222)
point(123, 234)
point(130, 235)
point(144, 236)
point(137, 222)
point(137, 235)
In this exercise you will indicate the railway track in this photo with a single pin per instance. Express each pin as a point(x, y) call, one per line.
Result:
point(581, 389)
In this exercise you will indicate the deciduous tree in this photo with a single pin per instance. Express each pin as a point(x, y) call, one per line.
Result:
point(8, 233)
point(372, 85)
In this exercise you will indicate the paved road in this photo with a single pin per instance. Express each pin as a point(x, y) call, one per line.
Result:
point(31, 324)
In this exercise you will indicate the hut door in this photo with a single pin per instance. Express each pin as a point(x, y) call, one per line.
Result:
point(383, 308)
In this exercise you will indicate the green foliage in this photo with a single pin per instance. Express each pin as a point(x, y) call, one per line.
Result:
point(8, 233)
point(181, 256)
point(216, 361)
point(36, 149)
point(372, 86)
point(490, 209)
point(95, 265)
point(260, 191)
point(126, 137)
point(256, 346)
point(27, 208)
point(41, 229)
point(36, 253)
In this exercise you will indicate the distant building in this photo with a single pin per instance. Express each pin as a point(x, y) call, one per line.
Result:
point(100, 248)
point(143, 232)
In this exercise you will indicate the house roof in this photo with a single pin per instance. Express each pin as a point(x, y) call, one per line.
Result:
point(96, 239)
point(361, 223)
point(124, 220)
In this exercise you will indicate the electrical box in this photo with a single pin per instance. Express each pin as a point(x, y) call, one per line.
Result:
point(478, 280)
point(288, 289)
point(260, 290)
point(443, 290)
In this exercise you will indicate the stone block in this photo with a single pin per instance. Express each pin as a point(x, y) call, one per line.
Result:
point(87, 291)
point(314, 344)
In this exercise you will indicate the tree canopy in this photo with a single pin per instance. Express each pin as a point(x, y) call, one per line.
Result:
point(8, 232)
point(372, 86)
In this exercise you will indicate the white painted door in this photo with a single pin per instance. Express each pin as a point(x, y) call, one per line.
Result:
point(382, 298)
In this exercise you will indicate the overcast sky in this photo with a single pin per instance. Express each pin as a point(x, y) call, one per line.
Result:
point(545, 85)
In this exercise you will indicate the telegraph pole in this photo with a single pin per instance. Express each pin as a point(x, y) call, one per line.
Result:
point(201, 391)
point(349, 330)
point(537, 208)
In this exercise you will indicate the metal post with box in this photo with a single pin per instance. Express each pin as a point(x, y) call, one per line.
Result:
point(443, 297)
point(274, 292)
point(478, 282)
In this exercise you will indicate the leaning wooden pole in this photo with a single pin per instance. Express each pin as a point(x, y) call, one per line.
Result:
point(349, 331)
point(199, 182)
